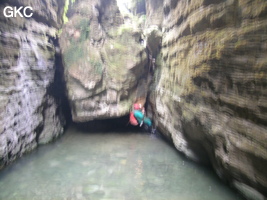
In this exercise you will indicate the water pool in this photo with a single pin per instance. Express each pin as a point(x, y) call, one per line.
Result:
point(110, 166)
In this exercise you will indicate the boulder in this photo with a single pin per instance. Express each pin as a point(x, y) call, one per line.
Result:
point(103, 59)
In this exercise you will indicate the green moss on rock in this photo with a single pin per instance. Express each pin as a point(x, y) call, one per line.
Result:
point(73, 54)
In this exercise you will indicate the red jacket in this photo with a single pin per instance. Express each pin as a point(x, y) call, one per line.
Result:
point(133, 121)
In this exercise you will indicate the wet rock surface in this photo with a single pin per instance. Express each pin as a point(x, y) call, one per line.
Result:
point(29, 114)
point(211, 95)
point(104, 60)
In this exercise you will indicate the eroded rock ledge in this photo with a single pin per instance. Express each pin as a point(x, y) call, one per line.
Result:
point(211, 91)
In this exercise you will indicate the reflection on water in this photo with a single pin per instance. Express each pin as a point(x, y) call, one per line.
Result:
point(118, 166)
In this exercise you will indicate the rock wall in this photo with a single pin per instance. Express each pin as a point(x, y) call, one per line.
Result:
point(103, 58)
point(210, 92)
point(29, 113)
point(154, 13)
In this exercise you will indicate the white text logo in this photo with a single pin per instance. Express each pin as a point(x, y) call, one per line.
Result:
point(21, 11)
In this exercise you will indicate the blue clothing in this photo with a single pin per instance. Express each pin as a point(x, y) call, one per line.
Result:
point(139, 116)
point(147, 121)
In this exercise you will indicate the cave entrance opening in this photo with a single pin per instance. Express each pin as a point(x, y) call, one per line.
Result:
point(120, 125)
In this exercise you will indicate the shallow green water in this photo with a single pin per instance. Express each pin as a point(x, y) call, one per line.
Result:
point(118, 166)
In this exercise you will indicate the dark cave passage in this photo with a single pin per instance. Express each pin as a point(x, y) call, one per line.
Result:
point(58, 89)
point(120, 124)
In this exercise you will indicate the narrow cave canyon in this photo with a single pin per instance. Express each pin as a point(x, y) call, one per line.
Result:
point(76, 68)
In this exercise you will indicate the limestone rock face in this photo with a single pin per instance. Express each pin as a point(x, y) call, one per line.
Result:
point(211, 91)
point(154, 12)
point(29, 114)
point(103, 59)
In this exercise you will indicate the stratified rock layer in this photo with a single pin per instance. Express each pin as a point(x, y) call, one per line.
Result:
point(211, 92)
point(103, 58)
point(29, 114)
